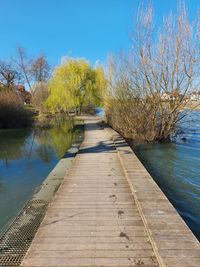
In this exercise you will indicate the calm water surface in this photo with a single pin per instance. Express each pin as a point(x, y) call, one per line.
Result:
point(26, 158)
point(176, 169)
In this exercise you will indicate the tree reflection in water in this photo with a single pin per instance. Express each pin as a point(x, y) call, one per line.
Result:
point(56, 139)
point(12, 143)
point(26, 158)
point(15, 144)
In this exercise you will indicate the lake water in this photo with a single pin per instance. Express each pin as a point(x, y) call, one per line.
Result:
point(26, 158)
point(176, 169)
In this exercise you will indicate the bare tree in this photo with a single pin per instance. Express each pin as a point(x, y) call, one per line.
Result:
point(32, 70)
point(150, 84)
point(35, 73)
point(40, 94)
point(8, 75)
point(40, 69)
point(23, 64)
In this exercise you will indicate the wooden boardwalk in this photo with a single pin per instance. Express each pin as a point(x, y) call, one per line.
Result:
point(96, 218)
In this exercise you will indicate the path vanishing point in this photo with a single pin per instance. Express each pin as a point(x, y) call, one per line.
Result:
point(109, 211)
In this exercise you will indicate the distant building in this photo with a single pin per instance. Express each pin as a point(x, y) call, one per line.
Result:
point(166, 96)
point(174, 95)
point(195, 96)
point(24, 95)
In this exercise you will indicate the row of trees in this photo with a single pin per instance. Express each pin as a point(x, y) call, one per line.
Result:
point(73, 85)
point(164, 61)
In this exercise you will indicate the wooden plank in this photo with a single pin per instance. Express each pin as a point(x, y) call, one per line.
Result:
point(172, 241)
point(93, 219)
point(110, 212)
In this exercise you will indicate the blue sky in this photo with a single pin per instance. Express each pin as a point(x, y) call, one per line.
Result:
point(77, 28)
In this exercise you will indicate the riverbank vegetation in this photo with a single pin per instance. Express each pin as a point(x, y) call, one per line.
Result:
point(18, 106)
point(143, 90)
point(13, 114)
point(71, 88)
point(149, 85)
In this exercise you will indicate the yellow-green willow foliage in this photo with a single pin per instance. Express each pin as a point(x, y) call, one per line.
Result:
point(74, 85)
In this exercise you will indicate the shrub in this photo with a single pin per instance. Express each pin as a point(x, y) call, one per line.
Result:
point(150, 85)
point(12, 112)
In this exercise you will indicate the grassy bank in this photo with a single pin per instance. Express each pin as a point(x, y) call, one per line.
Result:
point(194, 105)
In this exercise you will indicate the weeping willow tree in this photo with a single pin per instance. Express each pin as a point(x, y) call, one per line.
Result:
point(74, 85)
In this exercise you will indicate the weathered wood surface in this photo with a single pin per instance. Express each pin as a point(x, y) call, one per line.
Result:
point(109, 212)
point(172, 241)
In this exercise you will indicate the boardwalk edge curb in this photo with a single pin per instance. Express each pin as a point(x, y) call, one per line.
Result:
point(127, 156)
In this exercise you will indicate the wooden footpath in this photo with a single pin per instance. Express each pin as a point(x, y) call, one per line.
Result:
point(109, 212)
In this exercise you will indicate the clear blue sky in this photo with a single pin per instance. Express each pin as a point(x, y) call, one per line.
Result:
point(78, 28)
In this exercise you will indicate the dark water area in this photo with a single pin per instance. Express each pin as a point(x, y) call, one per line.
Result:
point(176, 169)
point(26, 158)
